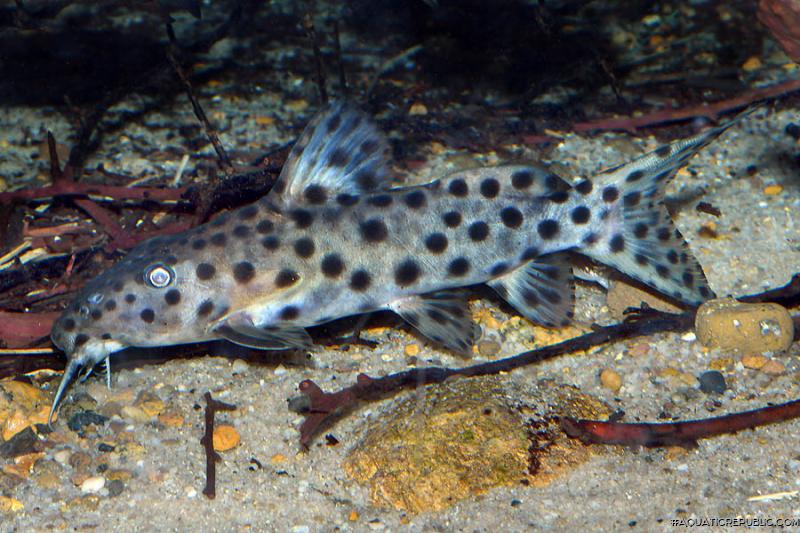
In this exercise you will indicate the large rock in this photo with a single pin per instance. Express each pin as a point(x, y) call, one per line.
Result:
point(744, 328)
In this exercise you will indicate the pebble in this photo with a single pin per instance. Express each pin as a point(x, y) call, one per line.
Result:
point(773, 367)
point(301, 529)
point(93, 484)
point(488, 347)
point(418, 108)
point(239, 366)
point(752, 63)
point(62, 456)
point(149, 403)
point(754, 361)
point(115, 487)
point(81, 419)
point(225, 437)
point(129, 412)
point(712, 382)
point(744, 328)
point(411, 350)
point(610, 379)
point(773, 190)
point(10, 505)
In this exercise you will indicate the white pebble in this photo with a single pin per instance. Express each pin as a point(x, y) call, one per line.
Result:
point(62, 456)
point(93, 484)
point(301, 529)
point(239, 366)
point(279, 370)
point(191, 492)
point(689, 337)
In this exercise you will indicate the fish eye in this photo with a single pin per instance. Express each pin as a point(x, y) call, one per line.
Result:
point(159, 276)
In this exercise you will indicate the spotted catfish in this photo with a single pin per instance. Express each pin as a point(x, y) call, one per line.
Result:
point(334, 239)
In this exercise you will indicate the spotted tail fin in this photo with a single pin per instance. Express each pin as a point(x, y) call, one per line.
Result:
point(636, 234)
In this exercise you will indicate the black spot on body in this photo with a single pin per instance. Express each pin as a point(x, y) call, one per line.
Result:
point(407, 272)
point(636, 175)
point(81, 339)
point(610, 194)
point(290, 312)
point(172, 297)
point(130, 298)
point(531, 298)
point(522, 179)
point(436, 243)
point(553, 182)
point(617, 243)
point(458, 187)
point(332, 265)
point(704, 292)
point(218, 239)
point(111, 305)
point(241, 231)
point(663, 234)
point(590, 238)
point(303, 218)
point(640, 230)
point(452, 219)
point(304, 247)
point(380, 200)
point(285, 278)
point(366, 179)
point(415, 199)
point(244, 272)
point(265, 226)
point(205, 271)
point(338, 158)
point(315, 194)
point(490, 188)
point(662, 271)
point(368, 147)
point(360, 280)
point(105, 336)
point(147, 315)
point(558, 197)
point(373, 230)
point(498, 269)
point(688, 279)
point(581, 214)
point(672, 257)
point(248, 212)
point(548, 229)
point(641, 259)
point(96, 314)
point(584, 187)
point(333, 123)
point(458, 267)
point(271, 243)
point(530, 253)
point(632, 199)
point(198, 244)
point(118, 286)
point(205, 308)
point(511, 217)
point(347, 199)
point(478, 231)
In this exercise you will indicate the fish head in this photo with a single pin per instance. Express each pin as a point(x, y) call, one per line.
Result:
point(152, 297)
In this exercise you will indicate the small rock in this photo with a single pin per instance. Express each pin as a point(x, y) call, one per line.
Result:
point(105, 448)
point(93, 484)
point(610, 379)
point(744, 328)
point(80, 461)
point(754, 361)
point(411, 350)
point(119, 475)
point(773, 367)
point(21, 443)
point(622, 296)
point(225, 437)
point(171, 418)
point(130, 412)
point(239, 366)
point(62, 457)
point(149, 403)
point(488, 348)
point(10, 505)
point(418, 108)
point(752, 63)
point(712, 382)
point(115, 487)
point(773, 190)
point(90, 501)
point(82, 419)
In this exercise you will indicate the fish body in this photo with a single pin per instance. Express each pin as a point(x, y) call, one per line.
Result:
point(334, 239)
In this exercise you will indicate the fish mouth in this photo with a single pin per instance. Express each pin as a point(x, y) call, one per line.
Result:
point(73, 368)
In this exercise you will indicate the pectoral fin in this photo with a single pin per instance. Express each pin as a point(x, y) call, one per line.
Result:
point(240, 330)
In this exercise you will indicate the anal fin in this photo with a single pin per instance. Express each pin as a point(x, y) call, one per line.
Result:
point(541, 290)
point(442, 317)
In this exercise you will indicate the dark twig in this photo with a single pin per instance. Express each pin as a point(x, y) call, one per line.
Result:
point(212, 457)
point(222, 156)
point(308, 25)
point(684, 434)
point(321, 408)
point(318, 406)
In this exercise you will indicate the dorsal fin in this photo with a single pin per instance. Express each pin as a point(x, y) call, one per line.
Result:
point(340, 151)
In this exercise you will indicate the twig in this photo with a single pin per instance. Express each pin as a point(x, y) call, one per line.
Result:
point(321, 408)
point(308, 25)
point(222, 156)
point(390, 65)
point(684, 434)
point(212, 457)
